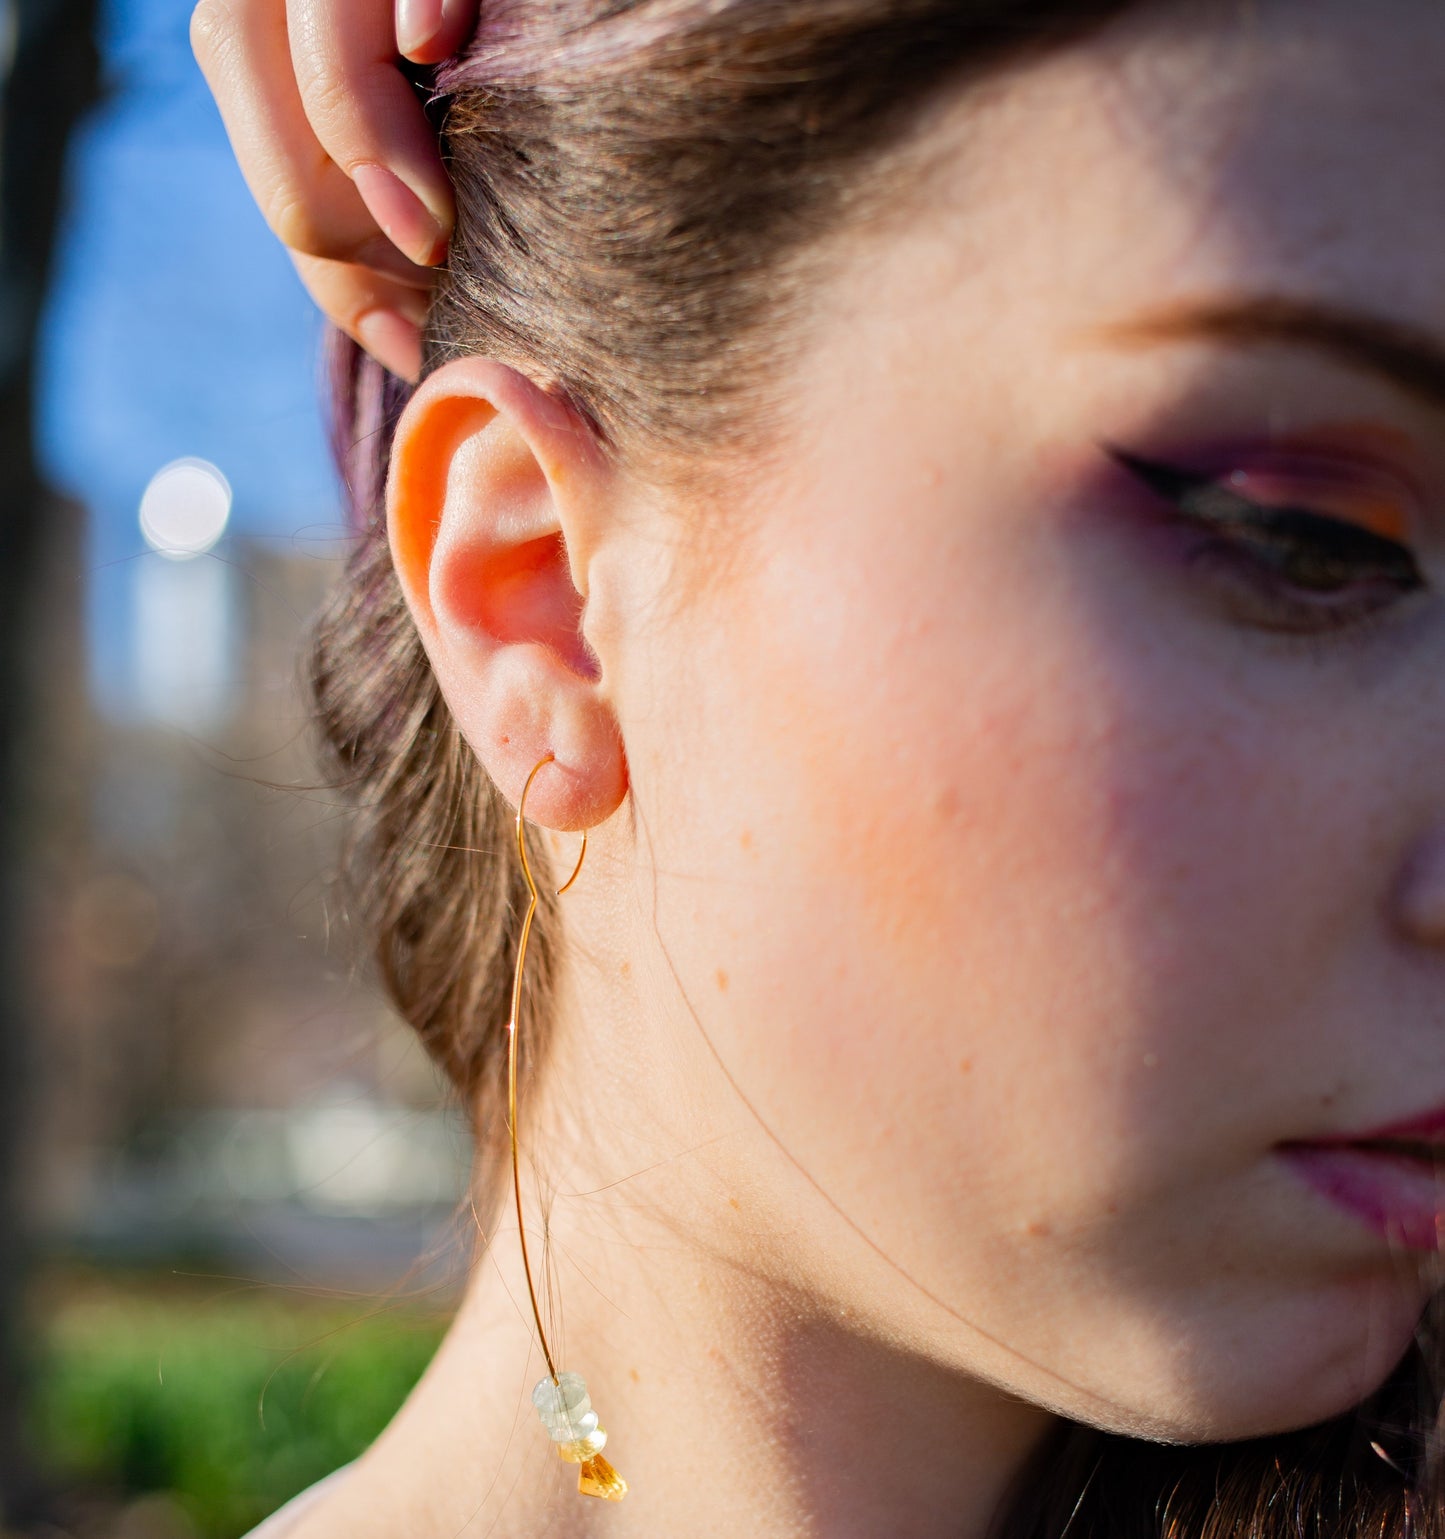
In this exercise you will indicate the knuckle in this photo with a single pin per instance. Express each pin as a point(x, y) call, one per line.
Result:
point(341, 295)
point(327, 98)
point(294, 225)
point(300, 226)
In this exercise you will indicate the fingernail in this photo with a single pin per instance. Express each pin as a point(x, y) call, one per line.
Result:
point(401, 214)
point(417, 23)
point(461, 14)
point(393, 340)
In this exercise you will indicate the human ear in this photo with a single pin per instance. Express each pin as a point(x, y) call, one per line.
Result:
point(495, 499)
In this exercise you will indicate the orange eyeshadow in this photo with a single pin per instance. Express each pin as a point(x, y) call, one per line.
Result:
point(1383, 511)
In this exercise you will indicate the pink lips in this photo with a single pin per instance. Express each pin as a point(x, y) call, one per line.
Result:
point(1392, 1178)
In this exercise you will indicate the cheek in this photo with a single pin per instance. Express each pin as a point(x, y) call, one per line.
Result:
point(1025, 864)
point(1021, 938)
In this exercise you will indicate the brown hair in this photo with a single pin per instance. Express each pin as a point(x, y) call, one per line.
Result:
point(640, 184)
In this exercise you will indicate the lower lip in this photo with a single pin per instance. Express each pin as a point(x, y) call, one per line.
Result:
point(1399, 1198)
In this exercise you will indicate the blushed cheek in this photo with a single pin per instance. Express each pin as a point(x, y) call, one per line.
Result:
point(1020, 897)
point(1046, 846)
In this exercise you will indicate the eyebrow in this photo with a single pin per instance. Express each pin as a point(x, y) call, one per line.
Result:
point(1407, 356)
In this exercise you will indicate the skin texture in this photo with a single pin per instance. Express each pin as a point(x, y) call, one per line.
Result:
point(979, 892)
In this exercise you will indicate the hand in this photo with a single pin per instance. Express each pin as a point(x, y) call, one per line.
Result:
point(337, 150)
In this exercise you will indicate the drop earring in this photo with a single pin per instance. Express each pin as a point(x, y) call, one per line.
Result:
point(561, 1399)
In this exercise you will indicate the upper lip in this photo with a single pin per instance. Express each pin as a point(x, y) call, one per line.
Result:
point(1423, 1134)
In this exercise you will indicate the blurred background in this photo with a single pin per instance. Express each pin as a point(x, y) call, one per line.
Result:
point(230, 1218)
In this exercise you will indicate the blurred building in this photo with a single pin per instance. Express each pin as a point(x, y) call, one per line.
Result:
point(218, 1079)
point(198, 1079)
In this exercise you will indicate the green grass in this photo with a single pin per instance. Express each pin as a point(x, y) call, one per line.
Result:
point(229, 1401)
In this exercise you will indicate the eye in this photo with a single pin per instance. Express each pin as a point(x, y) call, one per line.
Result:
point(1290, 567)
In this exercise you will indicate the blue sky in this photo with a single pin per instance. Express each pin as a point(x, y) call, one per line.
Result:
point(176, 325)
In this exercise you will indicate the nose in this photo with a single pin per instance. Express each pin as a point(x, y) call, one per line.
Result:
point(1420, 893)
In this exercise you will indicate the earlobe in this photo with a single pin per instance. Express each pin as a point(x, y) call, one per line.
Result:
point(493, 504)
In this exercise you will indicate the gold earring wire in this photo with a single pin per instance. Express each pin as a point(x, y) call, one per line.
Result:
point(561, 1399)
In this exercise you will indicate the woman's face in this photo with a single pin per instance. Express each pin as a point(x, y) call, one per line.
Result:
point(1044, 850)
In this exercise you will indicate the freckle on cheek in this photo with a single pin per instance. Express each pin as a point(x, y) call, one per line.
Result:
point(722, 981)
point(965, 1066)
point(626, 969)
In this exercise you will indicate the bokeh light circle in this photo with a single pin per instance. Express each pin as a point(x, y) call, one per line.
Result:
point(184, 510)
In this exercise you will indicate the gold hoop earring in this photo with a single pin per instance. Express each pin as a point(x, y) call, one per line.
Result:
point(561, 1399)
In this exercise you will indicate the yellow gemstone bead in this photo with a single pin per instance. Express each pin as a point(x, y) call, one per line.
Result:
point(598, 1478)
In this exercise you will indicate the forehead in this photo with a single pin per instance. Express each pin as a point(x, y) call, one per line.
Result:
point(1298, 143)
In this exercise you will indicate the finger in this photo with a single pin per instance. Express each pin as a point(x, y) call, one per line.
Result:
point(309, 203)
point(428, 31)
point(368, 120)
point(384, 316)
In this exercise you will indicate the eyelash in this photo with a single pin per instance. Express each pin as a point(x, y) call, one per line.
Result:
point(1251, 545)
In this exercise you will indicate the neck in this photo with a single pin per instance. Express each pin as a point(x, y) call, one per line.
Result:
point(717, 1309)
point(721, 1394)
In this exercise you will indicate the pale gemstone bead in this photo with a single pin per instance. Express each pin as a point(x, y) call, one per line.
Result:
point(584, 1448)
point(565, 1408)
point(564, 1430)
point(569, 1393)
point(578, 1427)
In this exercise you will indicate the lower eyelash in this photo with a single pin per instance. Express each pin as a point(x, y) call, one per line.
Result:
point(1289, 613)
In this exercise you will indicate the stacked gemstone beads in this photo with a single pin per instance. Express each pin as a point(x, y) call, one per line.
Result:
point(566, 1411)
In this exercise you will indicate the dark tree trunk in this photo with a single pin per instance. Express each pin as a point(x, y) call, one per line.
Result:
point(49, 80)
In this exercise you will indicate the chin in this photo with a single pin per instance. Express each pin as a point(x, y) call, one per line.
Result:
point(1298, 1363)
point(1317, 1360)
